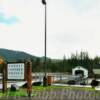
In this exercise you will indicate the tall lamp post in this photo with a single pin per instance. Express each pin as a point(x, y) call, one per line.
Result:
point(45, 42)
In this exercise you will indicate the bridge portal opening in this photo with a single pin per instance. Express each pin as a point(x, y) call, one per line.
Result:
point(79, 72)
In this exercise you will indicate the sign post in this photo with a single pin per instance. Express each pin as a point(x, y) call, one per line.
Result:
point(4, 80)
point(17, 71)
point(4, 75)
point(29, 78)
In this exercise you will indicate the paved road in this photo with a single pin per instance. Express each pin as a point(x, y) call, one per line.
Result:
point(17, 83)
point(41, 79)
point(20, 83)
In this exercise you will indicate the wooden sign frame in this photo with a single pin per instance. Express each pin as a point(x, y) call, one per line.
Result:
point(27, 76)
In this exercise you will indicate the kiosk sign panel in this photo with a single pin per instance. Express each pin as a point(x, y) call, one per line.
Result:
point(15, 71)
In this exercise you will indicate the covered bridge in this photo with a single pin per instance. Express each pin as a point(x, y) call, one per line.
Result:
point(79, 70)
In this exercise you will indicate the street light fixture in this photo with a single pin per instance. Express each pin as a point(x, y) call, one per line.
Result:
point(45, 42)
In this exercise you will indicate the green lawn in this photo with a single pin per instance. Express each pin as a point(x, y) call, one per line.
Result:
point(41, 88)
point(23, 92)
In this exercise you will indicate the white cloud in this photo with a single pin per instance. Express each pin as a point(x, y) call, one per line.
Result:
point(80, 7)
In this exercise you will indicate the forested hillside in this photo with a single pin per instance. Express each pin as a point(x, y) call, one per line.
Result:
point(53, 65)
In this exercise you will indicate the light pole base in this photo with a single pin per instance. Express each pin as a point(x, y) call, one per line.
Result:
point(45, 81)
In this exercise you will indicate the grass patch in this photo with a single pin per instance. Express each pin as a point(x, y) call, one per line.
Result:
point(22, 92)
point(80, 88)
point(41, 88)
point(1, 94)
point(16, 93)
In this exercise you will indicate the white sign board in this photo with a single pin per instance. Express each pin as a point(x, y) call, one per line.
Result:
point(15, 71)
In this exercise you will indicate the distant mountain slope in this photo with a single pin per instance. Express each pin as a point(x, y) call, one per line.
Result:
point(13, 56)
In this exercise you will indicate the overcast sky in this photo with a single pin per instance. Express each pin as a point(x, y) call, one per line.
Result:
point(72, 25)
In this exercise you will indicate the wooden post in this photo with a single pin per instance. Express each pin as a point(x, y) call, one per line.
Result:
point(4, 80)
point(25, 72)
point(29, 78)
point(49, 80)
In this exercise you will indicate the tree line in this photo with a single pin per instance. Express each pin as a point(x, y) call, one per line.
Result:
point(62, 65)
point(66, 64)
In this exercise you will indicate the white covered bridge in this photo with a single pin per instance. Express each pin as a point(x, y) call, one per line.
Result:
point(79, 70)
